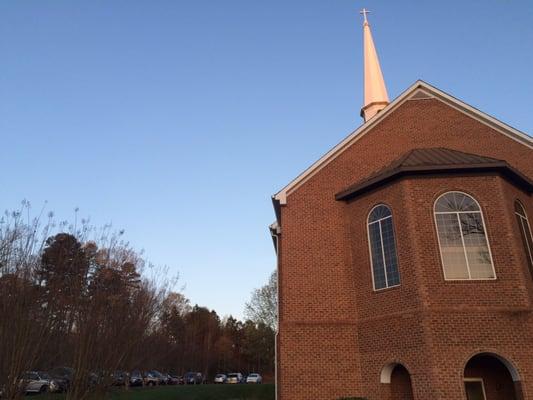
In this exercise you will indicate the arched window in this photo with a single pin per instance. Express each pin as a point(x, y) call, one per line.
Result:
point(525, 230)
point(464, 247)
point(382, 248)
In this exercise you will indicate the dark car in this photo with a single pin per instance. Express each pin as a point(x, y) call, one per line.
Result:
point(152, 378)
point(63, 376)
point(173, 379)
point(163, 378)
point(119, 378)
point(136, 378)
point(95, 379)
point(193, 378)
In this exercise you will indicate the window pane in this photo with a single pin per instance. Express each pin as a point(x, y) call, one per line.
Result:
point(456, 201)
point(451, 247)
point(378, 213)
point(389, 248)
point(477, 249)
point(377, 256)
point(526, 239)
point(519, 209)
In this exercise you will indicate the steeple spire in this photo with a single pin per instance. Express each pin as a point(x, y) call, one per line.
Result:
point(376, 97)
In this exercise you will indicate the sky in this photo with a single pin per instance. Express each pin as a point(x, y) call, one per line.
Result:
point(177, 120)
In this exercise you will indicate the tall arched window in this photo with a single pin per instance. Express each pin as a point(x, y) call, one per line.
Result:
point(464, 247)
point(382, 248)
point(525, 230)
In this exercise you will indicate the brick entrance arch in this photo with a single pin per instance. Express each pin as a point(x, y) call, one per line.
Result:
point(489, 376)
point(398, 380)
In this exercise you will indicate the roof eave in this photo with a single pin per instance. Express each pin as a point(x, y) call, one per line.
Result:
point(504, 168)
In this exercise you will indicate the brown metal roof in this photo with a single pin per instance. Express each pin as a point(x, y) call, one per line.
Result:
point(434, 161)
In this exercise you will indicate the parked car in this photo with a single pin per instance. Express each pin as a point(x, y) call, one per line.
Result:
point(163, 378)
point(119, 378)
point(136, 378)
point(235, 377)
point(62, 376)
point(38, 382)
point(193, 378)
point(151, 378)
point(95, 378)
point(220, 378)
point(173, 379)
point(254, 378)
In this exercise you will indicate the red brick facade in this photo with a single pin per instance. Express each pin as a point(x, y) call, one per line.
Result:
point(337, 335)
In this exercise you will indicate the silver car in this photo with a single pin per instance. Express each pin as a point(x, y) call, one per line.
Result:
point(254, 378)
point(220, 378)
point(38, 382)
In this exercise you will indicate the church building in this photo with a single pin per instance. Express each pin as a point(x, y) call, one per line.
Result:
point(405, 256)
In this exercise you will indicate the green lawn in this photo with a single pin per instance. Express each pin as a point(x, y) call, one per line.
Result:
point(199, 392)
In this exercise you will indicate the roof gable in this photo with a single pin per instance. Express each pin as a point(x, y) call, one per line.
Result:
point(419, 90)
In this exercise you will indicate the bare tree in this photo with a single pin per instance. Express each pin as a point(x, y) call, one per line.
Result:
point(263, 306)
point(25, 320)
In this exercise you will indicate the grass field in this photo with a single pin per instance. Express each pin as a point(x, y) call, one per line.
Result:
point(199, 392)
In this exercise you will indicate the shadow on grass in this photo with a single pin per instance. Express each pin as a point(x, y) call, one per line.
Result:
point(199, 392)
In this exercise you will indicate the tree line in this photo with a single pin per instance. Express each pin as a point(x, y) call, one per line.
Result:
point(72, 295)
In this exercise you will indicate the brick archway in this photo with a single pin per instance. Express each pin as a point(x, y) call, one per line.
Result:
point(398, 380)
point(489, 376)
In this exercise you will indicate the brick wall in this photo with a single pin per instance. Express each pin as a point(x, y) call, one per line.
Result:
point(336, 333)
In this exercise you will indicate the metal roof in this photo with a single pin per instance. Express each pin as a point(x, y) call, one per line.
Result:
point(435, 161)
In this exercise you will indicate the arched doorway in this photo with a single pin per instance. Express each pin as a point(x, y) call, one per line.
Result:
point(399, 381)
point(488, 376)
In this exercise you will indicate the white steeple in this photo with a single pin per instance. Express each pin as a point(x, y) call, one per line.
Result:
point(376, 97)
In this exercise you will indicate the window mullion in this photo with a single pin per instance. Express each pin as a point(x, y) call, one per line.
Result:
point(379, 220)
point(383, 255)
point(464, 246)
point(527, 239)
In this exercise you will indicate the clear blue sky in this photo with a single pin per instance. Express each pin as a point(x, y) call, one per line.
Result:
point(177, 120)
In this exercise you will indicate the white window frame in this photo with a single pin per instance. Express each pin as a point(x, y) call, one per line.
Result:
point(462, 237)
point(382, 248)
point(525, 221)
point(476, 380)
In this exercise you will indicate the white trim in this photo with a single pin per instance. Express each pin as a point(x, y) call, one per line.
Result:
point(464, 246)
point(382, 248)
point(383, 256)
point(462, 238)
point(386, 372)
point(379, 220)
point(385, 375)
point(523, 218)
point(525, 228)
point(458, 212)
point(459, 105)
point(276, 336)
point(477, 380)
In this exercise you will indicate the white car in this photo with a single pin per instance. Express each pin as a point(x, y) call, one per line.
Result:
point(254, 378)
point(38, 382)
point(220, 378)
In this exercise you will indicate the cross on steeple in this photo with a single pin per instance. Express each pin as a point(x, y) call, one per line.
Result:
point(364, 12)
